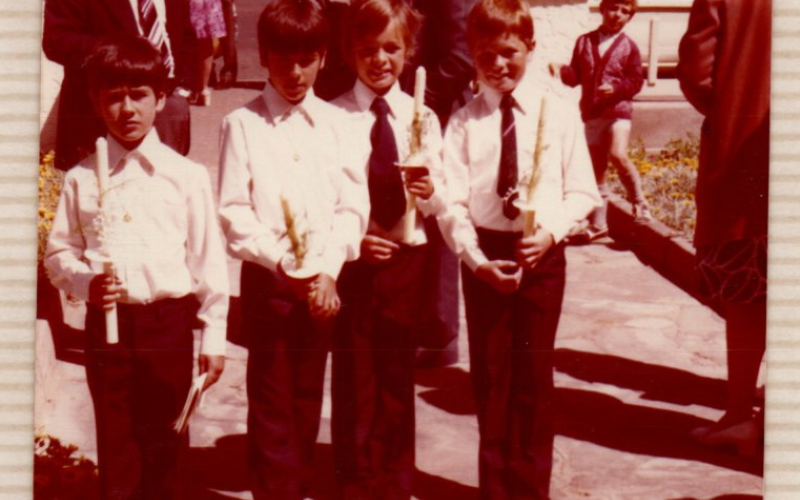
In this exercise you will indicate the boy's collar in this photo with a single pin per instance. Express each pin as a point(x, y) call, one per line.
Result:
point(526, 95)
point(365, 95)
point(147, 150)
point(280, 108)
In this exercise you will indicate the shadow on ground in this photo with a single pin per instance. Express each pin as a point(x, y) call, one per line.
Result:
point(728, 497)
point(607, 421)
point(430, 487)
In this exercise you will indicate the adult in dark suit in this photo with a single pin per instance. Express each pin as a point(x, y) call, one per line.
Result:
point(443, 51)
point(73, 28)
point(724, 71)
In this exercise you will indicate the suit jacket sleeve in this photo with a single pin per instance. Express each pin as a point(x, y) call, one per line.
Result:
point(696, 53)
point(69, 35)
point(449, 74)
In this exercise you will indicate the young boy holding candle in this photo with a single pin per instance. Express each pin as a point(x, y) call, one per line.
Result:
point(159, 228)
point(294, 213)
point(375, 347)
point(608, 67)
point(513, 284)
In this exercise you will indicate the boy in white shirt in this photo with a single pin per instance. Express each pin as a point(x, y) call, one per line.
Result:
point(513, 285)
point(162, 235)
point(382, 292)
point(294, 214)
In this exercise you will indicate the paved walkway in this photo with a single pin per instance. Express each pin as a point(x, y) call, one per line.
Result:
point(638, 364)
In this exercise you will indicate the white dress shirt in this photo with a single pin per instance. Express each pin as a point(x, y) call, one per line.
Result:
point(360, 119)
point(162, 234)
point(566, 190)
point(273, 149)
point(606, 40)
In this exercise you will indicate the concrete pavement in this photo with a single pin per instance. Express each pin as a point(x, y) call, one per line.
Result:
point(638, 364)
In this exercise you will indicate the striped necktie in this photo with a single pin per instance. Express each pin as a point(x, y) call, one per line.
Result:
point(153, 29)
point(507, 176)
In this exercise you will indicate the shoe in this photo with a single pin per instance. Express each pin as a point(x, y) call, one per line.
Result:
point(587, 235)
point(641, 213)
point(202, 98)
point(744, 435)
point(595, 233)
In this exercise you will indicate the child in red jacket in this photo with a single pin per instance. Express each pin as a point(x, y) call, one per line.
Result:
point(608, 67)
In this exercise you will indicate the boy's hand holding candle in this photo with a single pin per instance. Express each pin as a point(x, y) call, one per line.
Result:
point(105, 290)
point(502, 275)
point(531, 249)
point(109, 293)
point(416, 174)
point(376, 249)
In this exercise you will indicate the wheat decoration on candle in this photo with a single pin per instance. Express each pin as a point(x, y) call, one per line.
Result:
point(528, 212)
point(415, 158)
point(104, 230)
point(298, 241)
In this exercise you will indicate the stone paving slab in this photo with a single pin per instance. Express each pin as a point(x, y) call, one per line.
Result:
point(638, 361)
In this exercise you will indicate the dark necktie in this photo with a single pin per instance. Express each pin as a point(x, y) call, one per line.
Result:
point(153, 30)
point(386, 192)
point(507, 175)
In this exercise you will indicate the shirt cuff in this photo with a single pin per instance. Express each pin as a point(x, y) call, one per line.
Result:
point(473, 257)
point(268, 255)
point(557, 227)
point(213, 341)
point(332, 262)
point(79, 285)
point(431, 206)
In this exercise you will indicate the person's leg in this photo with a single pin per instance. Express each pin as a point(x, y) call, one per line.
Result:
point(733, 274)
point(109, 373)
point(392, 437)
point(598, 138)
point(163, 363)
point(353, 384)
point(205, 64)
point(537, 310)
point(309, 348)
point(268, 323)
point(745, 333)
point(173, 124)
point(618, 154)
point(488, 315)
point(438, 331)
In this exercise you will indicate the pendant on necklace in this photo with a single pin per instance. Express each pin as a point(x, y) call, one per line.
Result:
point(127, 217)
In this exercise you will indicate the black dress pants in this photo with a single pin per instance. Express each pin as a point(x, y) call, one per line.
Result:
point(285, 378)
point(511, 340)
point(138, 388)
point(373, 376)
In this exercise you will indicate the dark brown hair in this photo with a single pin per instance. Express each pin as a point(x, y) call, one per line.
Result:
point(496, 18)
point(633, 4)
point(368, 18)
point(125, 61)
point(292, 26)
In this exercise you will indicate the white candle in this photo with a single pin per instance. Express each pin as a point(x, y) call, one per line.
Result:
point(101, 147)
point(419, 90)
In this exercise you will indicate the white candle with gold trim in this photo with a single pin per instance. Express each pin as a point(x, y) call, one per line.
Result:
point(103, 182)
